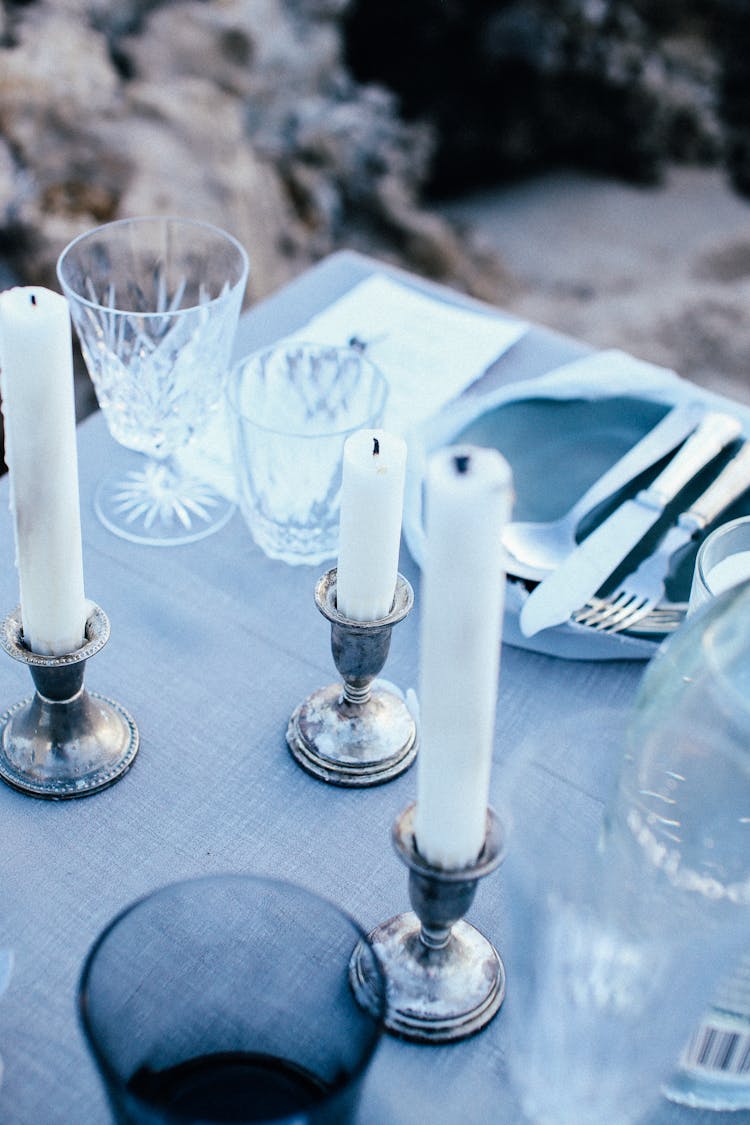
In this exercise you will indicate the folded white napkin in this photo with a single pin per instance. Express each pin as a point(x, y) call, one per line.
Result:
point(429, 351)
point(597, 376)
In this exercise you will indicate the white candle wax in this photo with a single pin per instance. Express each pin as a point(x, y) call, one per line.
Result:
point(731, 570)
point(372, 501)
point(468, 500)
point(36, 382)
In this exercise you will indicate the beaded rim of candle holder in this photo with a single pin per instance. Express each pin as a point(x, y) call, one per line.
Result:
point(63, 741)
point(445, 980)
point(363, 733)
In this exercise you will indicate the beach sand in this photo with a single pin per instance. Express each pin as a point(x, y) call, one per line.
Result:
point(663, 272)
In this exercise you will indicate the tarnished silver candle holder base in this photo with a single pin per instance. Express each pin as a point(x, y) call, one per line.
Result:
point(63, 741)
point(361, 732)
point(445, 980)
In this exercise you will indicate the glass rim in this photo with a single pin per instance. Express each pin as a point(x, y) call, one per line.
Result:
point(716, 536)
point(111, 1073)
point(380, 383)
point(176, 220)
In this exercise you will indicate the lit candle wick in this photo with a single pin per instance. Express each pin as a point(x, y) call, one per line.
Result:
point(375, 447)
point(462, 463)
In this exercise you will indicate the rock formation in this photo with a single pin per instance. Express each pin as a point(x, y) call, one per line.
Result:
point(306, 125)
point(240, 112)
point(514, 86)
point(303, 126)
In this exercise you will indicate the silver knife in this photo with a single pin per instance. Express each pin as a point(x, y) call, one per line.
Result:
point(601, 552)
point(648, 581)
point(732, 481)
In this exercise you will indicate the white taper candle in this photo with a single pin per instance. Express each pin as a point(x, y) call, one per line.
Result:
point(372, 501)
point(36, 382)
point(468, 500)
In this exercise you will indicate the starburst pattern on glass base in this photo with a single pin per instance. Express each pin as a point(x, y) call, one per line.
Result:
point(157, 505)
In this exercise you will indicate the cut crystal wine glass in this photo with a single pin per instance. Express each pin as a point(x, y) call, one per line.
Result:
point(155, 302)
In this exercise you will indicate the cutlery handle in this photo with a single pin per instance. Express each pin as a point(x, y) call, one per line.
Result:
point(732, 481)
point(673, 428)
point(713, 433)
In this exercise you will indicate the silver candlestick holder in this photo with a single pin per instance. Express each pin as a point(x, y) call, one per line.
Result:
point(445, 980)
point(359, 733)
point(63, 741)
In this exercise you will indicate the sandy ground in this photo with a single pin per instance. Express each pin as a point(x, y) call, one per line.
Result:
point(662, 272)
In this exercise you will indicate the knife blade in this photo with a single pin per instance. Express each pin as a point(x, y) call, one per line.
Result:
point(584, 570)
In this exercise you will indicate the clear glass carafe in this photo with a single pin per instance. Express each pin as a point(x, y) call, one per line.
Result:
point(684, 798)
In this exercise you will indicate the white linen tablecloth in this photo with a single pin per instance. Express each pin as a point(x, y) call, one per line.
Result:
point(212, 647)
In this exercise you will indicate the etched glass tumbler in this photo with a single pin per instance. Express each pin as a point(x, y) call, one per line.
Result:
point(155, 303)
point(292, 408)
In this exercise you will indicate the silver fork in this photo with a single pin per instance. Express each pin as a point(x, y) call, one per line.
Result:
point(659, 620)
point(640, 592)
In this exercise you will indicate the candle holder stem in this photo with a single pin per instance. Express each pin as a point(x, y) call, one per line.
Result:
point(445, 980)
point(64, 741)
point(361, 732)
